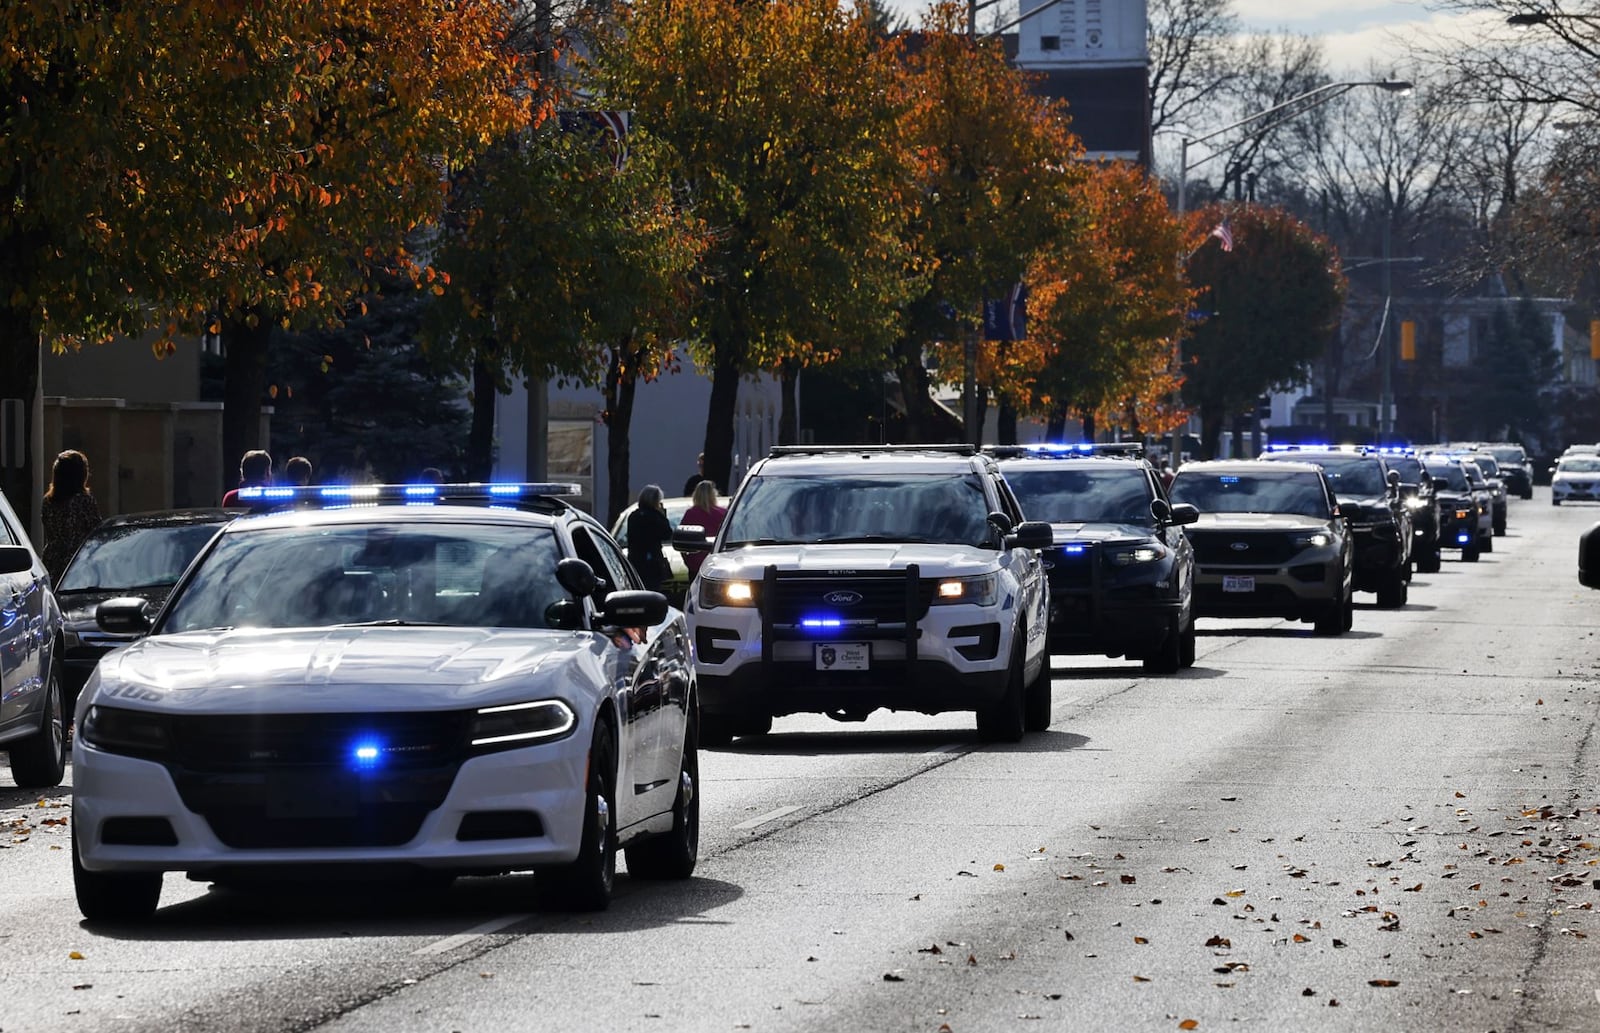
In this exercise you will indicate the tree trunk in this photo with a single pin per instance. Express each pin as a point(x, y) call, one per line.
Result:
point(1056, 429)
point(789, 414)
point(620, 387)
point(1006, 423)
point(245, 338)
point(921, 426)
point(975, 433)
point(720, 415)
point(1210, 430)
point(480, 439)
point(19, 379)
point(1089, 430)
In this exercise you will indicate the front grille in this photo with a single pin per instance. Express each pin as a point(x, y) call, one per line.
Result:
point(1259, 547)
point(285, 781)
point(882, 598)
point(1070, 571)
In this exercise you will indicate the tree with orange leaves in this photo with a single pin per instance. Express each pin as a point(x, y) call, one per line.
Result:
point(251, 182)
point(1107, 300)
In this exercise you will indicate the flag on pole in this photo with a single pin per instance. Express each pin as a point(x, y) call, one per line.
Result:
point(1224, 234)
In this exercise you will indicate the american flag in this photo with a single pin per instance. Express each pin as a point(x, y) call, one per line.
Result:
point(1224, 234)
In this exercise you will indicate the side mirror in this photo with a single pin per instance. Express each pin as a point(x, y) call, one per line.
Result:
point(1183, 513)
point(1161, 511)
point(564, 615)
point(1032, 534)
point(576, 576)
point(1000, 522)
point(1394, 478)
point(1589, 558)
point(634, 609)
point(690, 538)
point(14, 559)
point(124, 615)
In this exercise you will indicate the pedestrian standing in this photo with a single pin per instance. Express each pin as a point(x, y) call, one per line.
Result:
point(696, 477)
point(69, 512)
point(703, 512)
point(298, 470)
point(255, 471)
point(649, 530)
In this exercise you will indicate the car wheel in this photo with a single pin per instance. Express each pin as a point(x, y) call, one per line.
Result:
point(1350, 609)
point(1432, 559)
point(1500, 527)
point(716, 730)
point(1469, 554)
point(673, 854)
point(113, 896)
point(1392, 595)
point(1004, 720)
point(1037, 699)
point(1555, 502)
point(1486, 544)
point(40, 760)
point(1186, 646)
point(584, 884)
point(1526, 494)
point(1331, 620)
point(1169, 658)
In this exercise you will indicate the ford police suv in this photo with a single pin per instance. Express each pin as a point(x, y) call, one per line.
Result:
point(846, 579)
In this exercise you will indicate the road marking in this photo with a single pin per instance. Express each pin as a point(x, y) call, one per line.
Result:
point(450, 943)
point(763, 819)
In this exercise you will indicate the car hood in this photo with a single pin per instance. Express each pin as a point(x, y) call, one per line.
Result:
point(1101, 533)
point(329, 670)
point(78, 606)
point(1255, 522)
point(943, 560)
point(1581, 478)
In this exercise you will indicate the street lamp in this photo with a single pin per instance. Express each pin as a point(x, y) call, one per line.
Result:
point(1276, 116)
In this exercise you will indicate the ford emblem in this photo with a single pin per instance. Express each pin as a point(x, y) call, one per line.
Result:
point(842, 598)
point(1240, 546)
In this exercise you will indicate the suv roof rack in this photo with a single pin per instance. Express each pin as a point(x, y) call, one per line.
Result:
point(1053, 450)
point(815, 450)
point(541, 497)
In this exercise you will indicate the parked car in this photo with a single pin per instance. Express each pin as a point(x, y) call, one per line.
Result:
point(675, 587)
point(1516, 469)
point(134, 555)
point(476, 685)
point(33, 712)
point(1577, 479)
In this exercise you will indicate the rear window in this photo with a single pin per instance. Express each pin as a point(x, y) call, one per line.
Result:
point(949, 509)
point(1290, 493)
point(1061, 493)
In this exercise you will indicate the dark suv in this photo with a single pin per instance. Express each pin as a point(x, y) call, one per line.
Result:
point(1369, 497)
point(1121, 570)
point(1461, 518)
point(1422, 499)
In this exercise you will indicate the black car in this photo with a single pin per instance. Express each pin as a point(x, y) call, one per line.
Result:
point(1369, 498)
point(1121, 570)
point(1460, 516)
point(1421, 499)
point(1515, 468)
point(135, 555)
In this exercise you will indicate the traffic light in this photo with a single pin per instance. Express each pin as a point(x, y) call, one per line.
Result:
point(1594, 339)
point(1408, 341)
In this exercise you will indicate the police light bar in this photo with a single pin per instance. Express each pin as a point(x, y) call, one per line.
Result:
point(1068, 450)
point(412, 494)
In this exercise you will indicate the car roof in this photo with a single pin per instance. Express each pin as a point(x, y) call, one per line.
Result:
point(172, 517)
point(444, 513)
point(1253, 467)
point(874, 459)
point(1072, 462)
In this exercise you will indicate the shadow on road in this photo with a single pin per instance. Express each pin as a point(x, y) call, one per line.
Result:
point(813, 744)
point(1304, 632)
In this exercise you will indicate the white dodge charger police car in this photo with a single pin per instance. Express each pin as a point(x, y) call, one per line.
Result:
point(445, 679)
point(848, 578)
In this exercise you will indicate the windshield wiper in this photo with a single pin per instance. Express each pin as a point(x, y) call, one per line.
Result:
point(905, 539)
point(393, 622)
point(762, 541)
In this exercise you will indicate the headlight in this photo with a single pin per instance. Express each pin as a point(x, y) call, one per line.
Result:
point(973, 591)
point(518, 724)
point(1138, 554)
point(1413, 503)
point(721, 592)
point(137, 733)
point(1314, 540)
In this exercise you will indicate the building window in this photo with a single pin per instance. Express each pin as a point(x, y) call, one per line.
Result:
point(1049, 42)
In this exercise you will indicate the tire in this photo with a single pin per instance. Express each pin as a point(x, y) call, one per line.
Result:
point(672, 855)
point(1469, 554)
point(1350, 609)
point(1555, 502)
point(1005, 719)
point(1393, 594)
point(1037, 699)
point(1525, 495)
point(1186, 646)
point(1169, 658)
point(1500, 527)
point(1432, 559)
point(584, 884)
point(1331, 620)
point(113, 896)
point(1486, 544)
point(716, 730)
point(40, 760)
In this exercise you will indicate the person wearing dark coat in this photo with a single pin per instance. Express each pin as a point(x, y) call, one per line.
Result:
point(649, 530)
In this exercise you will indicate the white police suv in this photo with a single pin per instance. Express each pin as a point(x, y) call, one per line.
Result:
point(851, 578)
point(448, 679)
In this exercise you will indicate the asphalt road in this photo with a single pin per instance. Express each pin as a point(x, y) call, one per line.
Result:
point(1398, 829)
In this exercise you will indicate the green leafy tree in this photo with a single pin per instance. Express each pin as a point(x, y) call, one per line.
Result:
point(1268, 308)
point(782, 124)
point(1517, 363)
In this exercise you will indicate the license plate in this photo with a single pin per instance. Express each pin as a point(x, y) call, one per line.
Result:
point(843, 656)
point(1238, 583)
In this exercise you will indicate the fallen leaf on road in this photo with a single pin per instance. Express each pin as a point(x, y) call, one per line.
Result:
point(1219, 941)
point(930, 950)
point(75, 955)
point(1141, 979)
point(1128, 880)
point(1140, 940)
point(893, 977)
point(1383, 982)
point(999, 867)
point(1189, 1024)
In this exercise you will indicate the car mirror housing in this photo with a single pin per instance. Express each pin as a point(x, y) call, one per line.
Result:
point(576, 576)
point(124, 615)
point(14, 559)
point(690, 538)
point(1589, 558)
point(1000, 522)
point(634, 609)
point(1183, 513)
point(1032, 534)
point(564, 615)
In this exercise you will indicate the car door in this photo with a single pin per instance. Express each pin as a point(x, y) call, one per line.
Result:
point(1028, 568)
point(1173, 537)
point(23, 632)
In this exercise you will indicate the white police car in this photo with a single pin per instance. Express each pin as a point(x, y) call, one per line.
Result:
point(451, 679)
point(849, 578)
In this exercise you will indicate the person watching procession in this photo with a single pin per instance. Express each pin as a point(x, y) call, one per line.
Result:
point(69, 512)
point(255, 471)
point(649, 530)
point(703, 512)
point(297, 470)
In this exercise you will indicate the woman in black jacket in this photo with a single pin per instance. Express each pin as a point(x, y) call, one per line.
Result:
point(648, 530)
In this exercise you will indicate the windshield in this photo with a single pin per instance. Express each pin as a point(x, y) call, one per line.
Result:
point(1452, 473)
point(474, 575)
point(1297, 493)
point(942, 508)
point(1408, 467)
point(1509, 456)
point(1352, 476)
point(1583, 464)
point(1061, 494)
point(126, 556)
point(1489, 467)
